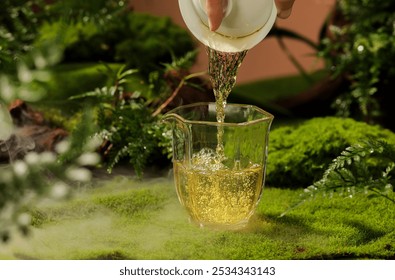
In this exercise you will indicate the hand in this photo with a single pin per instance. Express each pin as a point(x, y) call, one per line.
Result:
point(216, 10)
point(284, 8)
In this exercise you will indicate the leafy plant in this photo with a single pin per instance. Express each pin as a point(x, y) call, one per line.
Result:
point(140, 41)
point(37, 176)
point(366, 167)
point(361, 48)
point(127, 126)
point(25, 22)
point(18, 28)
point(108, 31)
point(97, 11)
point(25, 181)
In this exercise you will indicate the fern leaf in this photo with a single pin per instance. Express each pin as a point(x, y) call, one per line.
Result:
point(356, 170)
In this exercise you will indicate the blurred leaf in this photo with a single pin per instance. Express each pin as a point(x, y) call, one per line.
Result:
point(6, 124)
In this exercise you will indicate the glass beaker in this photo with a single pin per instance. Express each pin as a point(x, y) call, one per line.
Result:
point(219, 168)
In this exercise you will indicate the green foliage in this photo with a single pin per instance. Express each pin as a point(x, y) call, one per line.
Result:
point(299, 154)
point(6, 122)
point(93, 31)
point(28, 81)
point(90, 31)
point(366, 167)
point(132, 134)
point(97, 11)
point(127, 126)
point(363, 50)
point(140, 41)
point(83, 133)
point(18, 27)
point(22, 22)
point(25, 182)
point(181, 63)
point(29, 77)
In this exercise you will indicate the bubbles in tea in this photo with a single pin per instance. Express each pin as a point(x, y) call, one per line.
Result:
point(215, 195)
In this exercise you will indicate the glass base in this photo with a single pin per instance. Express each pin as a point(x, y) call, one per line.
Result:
point(221, 227)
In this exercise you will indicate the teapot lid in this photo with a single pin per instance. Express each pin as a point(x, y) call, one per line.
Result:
point(244, 25)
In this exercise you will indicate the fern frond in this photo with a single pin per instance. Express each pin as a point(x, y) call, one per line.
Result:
point(184, 62)
point(366, 167)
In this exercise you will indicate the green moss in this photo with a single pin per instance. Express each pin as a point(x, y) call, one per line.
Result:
point(131, 203)
point(102, 226)
point(71, 210)
point(299, 154)
point(119, 197)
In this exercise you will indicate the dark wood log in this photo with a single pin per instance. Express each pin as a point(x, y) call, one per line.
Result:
point(31, 133)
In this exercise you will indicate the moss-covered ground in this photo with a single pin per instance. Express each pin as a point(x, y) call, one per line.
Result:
point(124, 218)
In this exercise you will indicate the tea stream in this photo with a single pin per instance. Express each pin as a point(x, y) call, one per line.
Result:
point(213, 192)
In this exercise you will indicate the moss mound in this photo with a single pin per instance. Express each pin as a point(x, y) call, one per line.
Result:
point(299, 154)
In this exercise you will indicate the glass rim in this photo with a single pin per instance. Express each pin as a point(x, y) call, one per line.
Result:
point(266, 116)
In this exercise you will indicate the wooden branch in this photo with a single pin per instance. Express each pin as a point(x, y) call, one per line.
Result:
point(175, 92)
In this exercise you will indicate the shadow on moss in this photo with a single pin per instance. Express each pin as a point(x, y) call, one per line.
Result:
point(110, 255)
point(365, 234)
point(276, 228)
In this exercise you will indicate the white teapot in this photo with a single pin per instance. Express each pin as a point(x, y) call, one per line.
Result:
point(245, 24)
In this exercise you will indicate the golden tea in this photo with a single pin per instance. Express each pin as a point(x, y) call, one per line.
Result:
point(216, 195)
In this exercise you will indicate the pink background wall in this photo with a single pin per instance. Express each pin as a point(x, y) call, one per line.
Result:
point(266, 60)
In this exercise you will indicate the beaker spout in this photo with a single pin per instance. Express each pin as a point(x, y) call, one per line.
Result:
point(181, 136)
point(169, 118)
point(173, 119)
